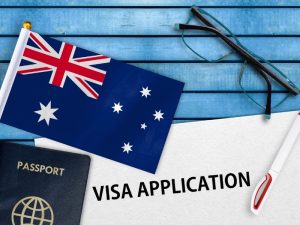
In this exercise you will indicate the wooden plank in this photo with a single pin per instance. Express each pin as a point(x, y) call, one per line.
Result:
point(11, 133)
point(214, 3)
point(210, 76)
point(193, 106)
point(219, 76)
point(172, 49)
point(157, 21)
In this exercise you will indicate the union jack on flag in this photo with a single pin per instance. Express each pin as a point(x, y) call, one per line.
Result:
point(52, 89)
point(62, 64)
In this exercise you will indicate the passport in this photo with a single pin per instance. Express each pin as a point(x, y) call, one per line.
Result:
point(41, 187)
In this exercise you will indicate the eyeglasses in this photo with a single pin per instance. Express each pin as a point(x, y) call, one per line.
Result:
point(268, 72)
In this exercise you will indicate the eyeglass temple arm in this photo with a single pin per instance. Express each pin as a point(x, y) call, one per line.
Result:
point(196, 12)
point(255, 63)
point(269, 94)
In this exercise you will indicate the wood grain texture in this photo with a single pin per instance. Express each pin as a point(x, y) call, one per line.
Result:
point(11, 133)
point(147, 3)
point(172, 49)
point(152, 21)
point(210, 77)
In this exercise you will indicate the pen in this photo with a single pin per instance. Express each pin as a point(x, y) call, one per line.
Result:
point(264, 186)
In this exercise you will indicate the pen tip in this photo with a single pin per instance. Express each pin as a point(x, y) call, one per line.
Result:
point(255, 212)
point(267, 116)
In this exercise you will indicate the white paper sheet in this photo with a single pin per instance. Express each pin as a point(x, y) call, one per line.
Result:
point(201, 149)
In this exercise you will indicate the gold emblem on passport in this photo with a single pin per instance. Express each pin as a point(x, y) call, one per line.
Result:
point(32, 210)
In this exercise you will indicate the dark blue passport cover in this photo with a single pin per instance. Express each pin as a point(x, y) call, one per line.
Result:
point(36, 193)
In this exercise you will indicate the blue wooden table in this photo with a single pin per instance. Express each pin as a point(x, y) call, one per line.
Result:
point(142, 33)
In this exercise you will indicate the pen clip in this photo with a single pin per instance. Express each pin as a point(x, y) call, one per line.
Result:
point(261, 191)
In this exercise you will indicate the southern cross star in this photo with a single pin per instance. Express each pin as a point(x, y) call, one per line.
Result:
point(46, 113)
point(145, 92)
point(143, 126)
point(117, 107)
point(127, 148)
point(158, 115)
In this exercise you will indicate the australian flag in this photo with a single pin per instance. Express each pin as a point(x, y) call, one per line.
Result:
point(88, 101)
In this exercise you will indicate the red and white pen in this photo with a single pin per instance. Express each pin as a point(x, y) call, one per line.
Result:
point(264, 186)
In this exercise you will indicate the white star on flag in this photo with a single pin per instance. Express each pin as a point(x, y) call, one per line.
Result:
point(145, 92)
point(46, 113)
point(127, 148)
point(143, 126)
point(158, 115)
point(117, 107)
